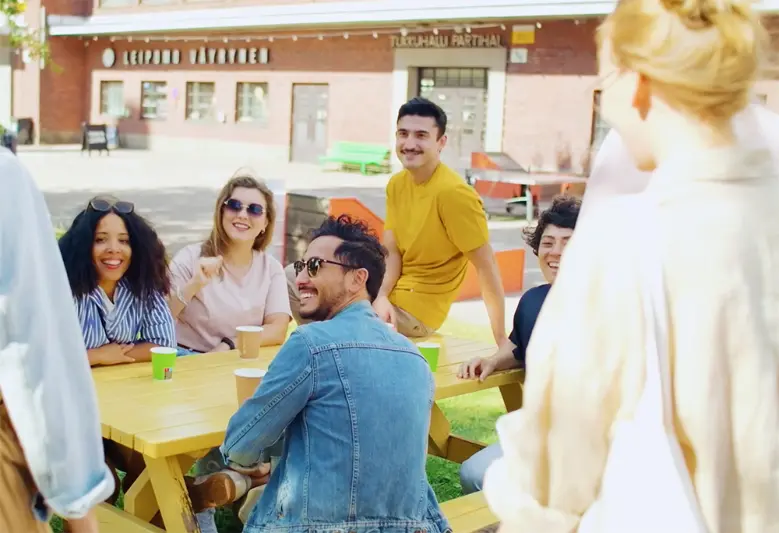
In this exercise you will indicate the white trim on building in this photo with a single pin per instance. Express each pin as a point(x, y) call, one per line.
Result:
point(374, 12)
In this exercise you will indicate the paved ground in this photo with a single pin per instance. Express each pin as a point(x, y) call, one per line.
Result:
point(177, 193)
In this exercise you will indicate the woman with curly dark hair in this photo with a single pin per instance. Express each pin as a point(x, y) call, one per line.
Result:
point(119, 278)
point(547, 239)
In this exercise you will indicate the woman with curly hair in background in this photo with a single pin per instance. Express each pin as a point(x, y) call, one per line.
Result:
point(119, 278)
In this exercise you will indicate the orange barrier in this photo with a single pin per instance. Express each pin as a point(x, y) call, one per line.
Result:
point(356, 209)
point(511, 263)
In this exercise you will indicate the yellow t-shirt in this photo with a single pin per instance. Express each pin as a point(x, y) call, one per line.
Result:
point(435, 225)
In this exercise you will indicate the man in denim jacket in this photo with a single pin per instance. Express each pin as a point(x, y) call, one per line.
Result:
point(51, 453)
point(352, 399)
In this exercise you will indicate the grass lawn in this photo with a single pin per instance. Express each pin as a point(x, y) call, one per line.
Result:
point(472, 416)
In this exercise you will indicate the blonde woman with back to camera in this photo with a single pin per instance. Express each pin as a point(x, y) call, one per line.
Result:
point(674, 75)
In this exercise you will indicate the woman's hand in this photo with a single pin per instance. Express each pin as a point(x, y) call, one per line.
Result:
point(111, 354)
point(207, 269)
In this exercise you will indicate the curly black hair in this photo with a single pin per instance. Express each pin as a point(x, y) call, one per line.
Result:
point(360, 248)
point(148, 270)
point(563, 213)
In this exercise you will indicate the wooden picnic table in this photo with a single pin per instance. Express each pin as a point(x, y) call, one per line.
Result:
point(172, 423)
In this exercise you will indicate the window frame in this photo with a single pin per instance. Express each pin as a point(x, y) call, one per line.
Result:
point(106, 111)
point(190, 94)
point(164, 99)
point(239, 100)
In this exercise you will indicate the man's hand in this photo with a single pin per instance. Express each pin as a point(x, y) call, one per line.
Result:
point(113, 354)
point(259, 474)
point(88, 524)
point(385, 310)
point(478, 367)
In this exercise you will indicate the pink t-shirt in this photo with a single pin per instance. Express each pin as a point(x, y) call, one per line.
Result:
point(227, 303)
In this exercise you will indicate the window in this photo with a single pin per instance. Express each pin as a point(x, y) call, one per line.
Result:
point(112, 98)
point(251, 103)
point(200, 100)
point(154, 100)
point(430, 78)
point(599, 126)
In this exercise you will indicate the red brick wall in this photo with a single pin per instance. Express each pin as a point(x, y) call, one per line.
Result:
point(64, 92)
point(548, 113)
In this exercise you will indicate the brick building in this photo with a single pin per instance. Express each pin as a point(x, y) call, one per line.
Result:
point(290, 77)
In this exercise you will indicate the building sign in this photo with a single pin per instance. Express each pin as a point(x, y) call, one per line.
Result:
point(195, 56)
point(456, 40)
point(523, 34)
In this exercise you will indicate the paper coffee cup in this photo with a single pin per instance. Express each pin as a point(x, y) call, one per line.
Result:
point(163, 361)
point(249, 341)
point(246, 382)
point(430, 351)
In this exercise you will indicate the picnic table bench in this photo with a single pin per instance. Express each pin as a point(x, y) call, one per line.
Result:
point(363, 155)
point(469, 513)
point(175, 422)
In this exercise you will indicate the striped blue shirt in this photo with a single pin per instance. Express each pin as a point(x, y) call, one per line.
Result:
point(131, 321)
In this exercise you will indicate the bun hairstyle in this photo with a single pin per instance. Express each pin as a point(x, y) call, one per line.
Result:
point(702, 56)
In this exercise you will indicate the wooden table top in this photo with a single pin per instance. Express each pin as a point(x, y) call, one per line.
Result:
point(191, 412)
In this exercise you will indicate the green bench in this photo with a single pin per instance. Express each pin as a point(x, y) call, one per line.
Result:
point(358, 154)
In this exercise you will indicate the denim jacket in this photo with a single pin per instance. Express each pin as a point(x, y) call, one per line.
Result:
point(45, 379)
point(352, 399)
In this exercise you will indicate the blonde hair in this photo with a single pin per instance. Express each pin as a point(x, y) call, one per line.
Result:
point(218, 242)
point(701, 56)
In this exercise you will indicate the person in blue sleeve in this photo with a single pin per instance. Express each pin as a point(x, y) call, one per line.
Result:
point(51, 454)
point(547, 240)
point(332, 393)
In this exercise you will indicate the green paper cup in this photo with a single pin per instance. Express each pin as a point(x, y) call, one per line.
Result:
point(163, 360)
point(430, 351)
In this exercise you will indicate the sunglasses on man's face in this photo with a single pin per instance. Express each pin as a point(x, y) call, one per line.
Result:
point(314, 264)
point(236, 206)
point(104, 205)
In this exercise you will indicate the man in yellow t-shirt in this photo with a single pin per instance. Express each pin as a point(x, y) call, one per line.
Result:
point(435, 224)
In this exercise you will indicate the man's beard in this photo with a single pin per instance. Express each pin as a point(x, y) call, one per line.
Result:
point(325, 309)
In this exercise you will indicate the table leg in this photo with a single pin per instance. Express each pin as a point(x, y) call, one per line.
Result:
point(438, 441)
point(512, 396)
point(139, 500)
point(167, 478)
point(443, 444)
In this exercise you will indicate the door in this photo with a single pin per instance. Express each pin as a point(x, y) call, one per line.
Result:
point(462, 94)
point(309, 123)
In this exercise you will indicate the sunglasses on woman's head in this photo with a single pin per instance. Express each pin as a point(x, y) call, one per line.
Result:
point(314, 264)
point(255, 210)
point(105, 204)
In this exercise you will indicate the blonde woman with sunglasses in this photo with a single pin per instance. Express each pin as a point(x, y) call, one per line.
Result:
point(676, 74)
point(230, 280)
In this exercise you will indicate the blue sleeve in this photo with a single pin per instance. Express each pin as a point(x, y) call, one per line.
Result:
point(282, 395)
point(157, 326)
point(516, 336)
point(45, 378)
